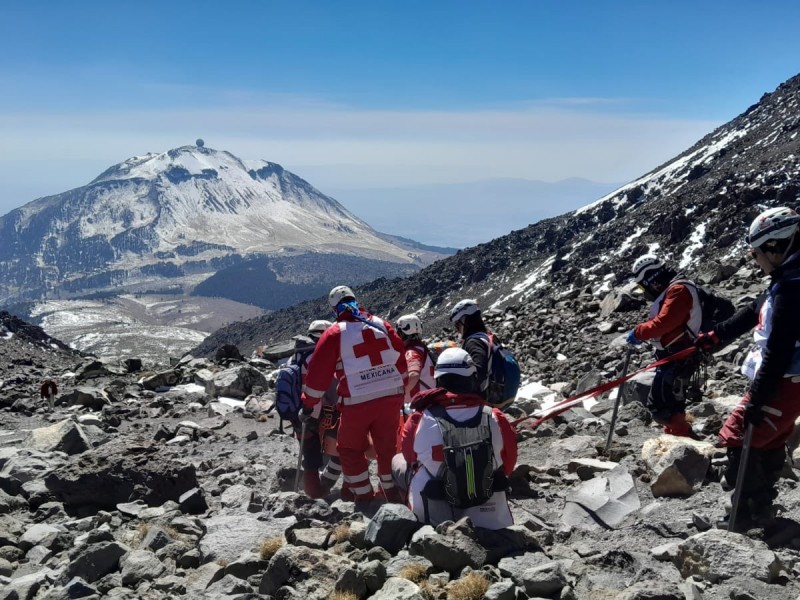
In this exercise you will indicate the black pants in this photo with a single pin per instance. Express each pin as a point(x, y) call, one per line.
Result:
point(312, 446)
point(672, 385)
point(764, 469)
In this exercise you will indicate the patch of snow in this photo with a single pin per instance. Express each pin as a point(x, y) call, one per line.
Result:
point(695, 242)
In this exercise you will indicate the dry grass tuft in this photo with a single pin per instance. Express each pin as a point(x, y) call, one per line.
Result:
point(471, 587)
point(343, 596)
point(415, 572)
point(342, 533)
point(141, 531)
point(222, 562)
point(270, 546)
point(430, 591)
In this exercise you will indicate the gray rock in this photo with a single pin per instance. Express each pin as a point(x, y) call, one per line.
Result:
point(74, 588)
point(10, 503)
point(155, 539)
point(27, 465)
point(236, 382)
point(96, 561)
point(312, 537)
point(193, 501)
point(197, 580)
point(514, 566)
point(397, 588)
point(604, 501)
point(679, 464)
point(161, 380)
point(227, 586)
point(508, 541)
point(246, 565)
point(140, 565)
point(717, 555)
point(6, 568)
point(453, 551)
point(89, 397)
point(228, 537)
point(115, 473)
point(39, 534)
point(374, 575)
point(236, 496)
point(25, 587)
point(501, 590)
point(545, 580)
point(66, 436)
point(391, 527)
point(652, 590)
point(617, 301)
point(312, 573)
point(397, 563)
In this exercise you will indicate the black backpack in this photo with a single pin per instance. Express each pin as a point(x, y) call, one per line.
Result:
point(715, 308)
point(468, 472)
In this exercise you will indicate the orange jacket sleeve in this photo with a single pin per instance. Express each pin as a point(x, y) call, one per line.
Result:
point(672, 317)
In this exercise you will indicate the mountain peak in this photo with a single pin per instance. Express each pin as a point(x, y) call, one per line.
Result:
point(187, 210)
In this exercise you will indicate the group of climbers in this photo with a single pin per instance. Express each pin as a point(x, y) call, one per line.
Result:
point(772, 403)
point(381, 373)
point(374, 375)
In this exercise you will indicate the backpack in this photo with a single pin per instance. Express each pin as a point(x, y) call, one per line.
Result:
point(714, 308)
point(504, 373)
point(467, 473)
point(288, 387)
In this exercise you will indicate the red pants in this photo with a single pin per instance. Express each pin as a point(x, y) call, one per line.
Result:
point(765, 436)
point(376, 419)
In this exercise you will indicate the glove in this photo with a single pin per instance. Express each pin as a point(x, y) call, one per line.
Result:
point(753, 415)
point(707, 341)
point(632, 339)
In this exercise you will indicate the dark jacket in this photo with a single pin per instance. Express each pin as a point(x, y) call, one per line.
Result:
point(784, 289)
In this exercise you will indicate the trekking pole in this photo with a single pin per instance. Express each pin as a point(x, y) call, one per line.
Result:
point(300, 457)
point(737, 494)
point(618, 400)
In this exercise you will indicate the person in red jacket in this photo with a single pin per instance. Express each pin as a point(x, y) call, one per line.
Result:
point(418, 358)
point(673, 324)
point(423, 457)
point(368, 358)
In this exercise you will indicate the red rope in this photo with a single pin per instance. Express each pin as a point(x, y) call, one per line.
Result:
point(565, 405)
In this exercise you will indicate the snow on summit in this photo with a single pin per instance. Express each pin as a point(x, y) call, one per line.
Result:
point(189, 210)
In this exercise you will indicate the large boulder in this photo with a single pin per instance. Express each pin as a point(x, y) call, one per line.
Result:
point(26, 465)
point(236, 382)
point(716, 555)
point(88, 397)
point(229, 536)
point(391, 527)
point(312, 573)
point(66, 436)
point(679, 464)
point(117, 473)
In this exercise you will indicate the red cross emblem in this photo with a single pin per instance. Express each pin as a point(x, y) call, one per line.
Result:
point(371, 346)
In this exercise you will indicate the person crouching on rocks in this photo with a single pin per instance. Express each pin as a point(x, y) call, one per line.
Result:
point(457, 451)
point(368, 358)
point(673, 324)
point(772, 403)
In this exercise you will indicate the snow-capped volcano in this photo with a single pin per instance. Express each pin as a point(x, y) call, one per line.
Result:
point(181, 214)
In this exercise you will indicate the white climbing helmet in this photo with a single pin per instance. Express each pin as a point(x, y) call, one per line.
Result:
point(318, 327)
point(339, 293)
point(409, 325)
point(773, 224)
point(464, 308)
point(454, 361)
point(644, 265)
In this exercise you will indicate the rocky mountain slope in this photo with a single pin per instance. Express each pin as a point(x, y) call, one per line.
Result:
point(173, 219)
point(178, 484)
point(548, 278)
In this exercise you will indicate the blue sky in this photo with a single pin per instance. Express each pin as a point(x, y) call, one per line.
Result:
point(355, 95)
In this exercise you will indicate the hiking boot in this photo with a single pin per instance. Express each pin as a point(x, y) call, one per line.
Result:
point(680, 427)
point(311, 484)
